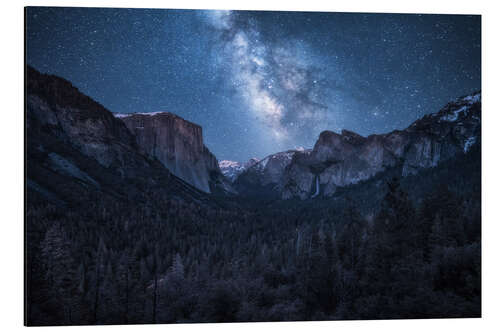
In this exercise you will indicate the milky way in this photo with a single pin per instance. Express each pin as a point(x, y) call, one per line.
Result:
point(279, 86)
point(261, 82)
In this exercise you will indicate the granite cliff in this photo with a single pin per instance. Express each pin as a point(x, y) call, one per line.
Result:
point(72, 137)
point(76, 148)
point(178, 145)
point(341, 159)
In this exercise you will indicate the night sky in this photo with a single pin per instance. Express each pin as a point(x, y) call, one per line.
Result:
point(261, 82)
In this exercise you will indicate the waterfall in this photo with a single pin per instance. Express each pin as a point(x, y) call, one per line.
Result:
point(317, 187)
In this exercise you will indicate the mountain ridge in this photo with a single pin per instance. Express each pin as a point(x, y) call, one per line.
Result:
point(131, 145)
point(341, 159)
point(76, 148)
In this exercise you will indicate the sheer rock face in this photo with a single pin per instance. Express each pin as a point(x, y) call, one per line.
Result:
point(347, 158)
point(177, 144)
point(336, 160)
point(75, 148)
point(71, 135)
point(130, 146)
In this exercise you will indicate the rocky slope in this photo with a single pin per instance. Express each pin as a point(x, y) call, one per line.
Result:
point(232, 169)
point(74, 144)
point(76, 147)
point(264, 177)
point(178, 145)
point(339, 160)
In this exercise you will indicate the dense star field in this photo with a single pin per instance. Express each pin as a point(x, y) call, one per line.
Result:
point(261, 82)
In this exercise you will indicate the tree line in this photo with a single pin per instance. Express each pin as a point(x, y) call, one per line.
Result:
point(166, 261)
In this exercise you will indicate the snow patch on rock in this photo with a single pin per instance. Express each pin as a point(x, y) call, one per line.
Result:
point(232, 169)
point(454, 115)
point(125, 115)
point(473, 98)
point(469, 143)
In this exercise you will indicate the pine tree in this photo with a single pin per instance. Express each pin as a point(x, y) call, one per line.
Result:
point(99, 271)
point(61, 269)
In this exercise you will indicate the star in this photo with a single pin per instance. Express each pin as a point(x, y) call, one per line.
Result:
point(261, 82)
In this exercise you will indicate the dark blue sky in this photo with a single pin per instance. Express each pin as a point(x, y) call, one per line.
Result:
point(261, 82)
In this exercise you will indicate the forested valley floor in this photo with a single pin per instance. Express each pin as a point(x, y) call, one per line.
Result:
point(414, 253)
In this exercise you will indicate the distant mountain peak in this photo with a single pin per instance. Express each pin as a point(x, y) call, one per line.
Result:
point(232, 169)
point(345, 158)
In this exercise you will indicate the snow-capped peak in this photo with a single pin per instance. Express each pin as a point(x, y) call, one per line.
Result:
point(453, 116)
point(471, 99)
point(232, 169)
point(459, 108)
point(229, 164)
point(124, 115)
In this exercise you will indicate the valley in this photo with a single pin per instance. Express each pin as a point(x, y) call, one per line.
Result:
point(147, 226)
